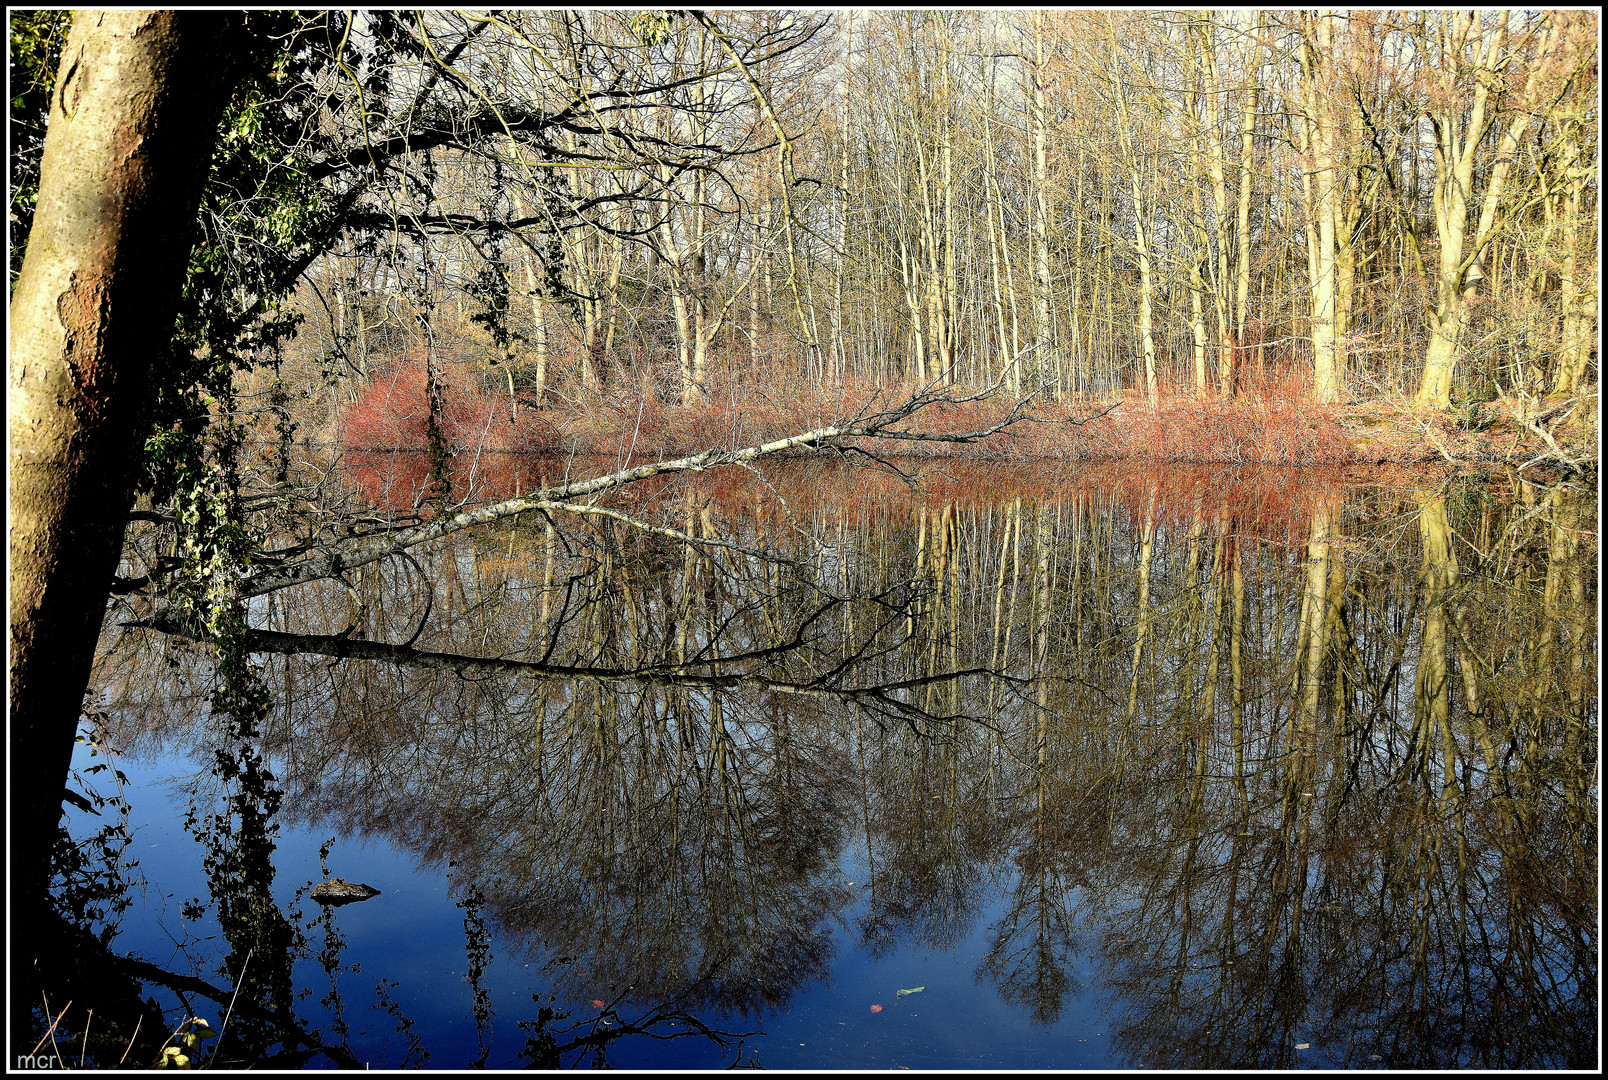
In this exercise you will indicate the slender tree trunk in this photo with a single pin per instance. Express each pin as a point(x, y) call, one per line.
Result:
point(1242, 237)
point(1579, 278)
point(1125, 135)
point(1217, 168)
point(951, 284)
point(1142, 247)
point(1043, 361)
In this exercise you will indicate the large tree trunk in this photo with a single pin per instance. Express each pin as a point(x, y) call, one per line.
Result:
point(1318, 52)
point(133, 121)
point(1456, 144)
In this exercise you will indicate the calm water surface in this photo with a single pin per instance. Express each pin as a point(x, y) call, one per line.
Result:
point(1112, 769)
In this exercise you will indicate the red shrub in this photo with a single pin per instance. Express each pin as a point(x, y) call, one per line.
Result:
point(390, 413)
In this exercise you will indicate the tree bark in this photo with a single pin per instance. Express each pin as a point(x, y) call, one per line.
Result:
point(1042, 364)
point(1317, 63)
point(134, 118)
point(1456, 145)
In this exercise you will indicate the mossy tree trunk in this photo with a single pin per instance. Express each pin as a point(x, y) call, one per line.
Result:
point(134, 118)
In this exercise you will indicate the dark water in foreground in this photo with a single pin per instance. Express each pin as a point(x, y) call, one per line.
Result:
point(1111, 769)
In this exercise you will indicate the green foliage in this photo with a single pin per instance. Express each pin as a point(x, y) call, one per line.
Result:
point(651, 27)
point(490, 287)
point(1465, 503)
point(263, 216)
point(90, 876)
point(284, 427)
point(1472, 415)
point(185, 1042)
point(34, 55)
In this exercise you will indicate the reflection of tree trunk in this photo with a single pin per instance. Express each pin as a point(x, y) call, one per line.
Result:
point(1044, 548)
point(1316, 622)
point(1147, 536)
point(1005, 601)
point(1563, 604)
point(1236, 665)
point(1563, 572)
point(1564, 562)
point(1432, 689)
point(1210, 650)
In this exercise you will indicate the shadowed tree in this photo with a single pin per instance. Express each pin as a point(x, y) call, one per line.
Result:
point(134, 117)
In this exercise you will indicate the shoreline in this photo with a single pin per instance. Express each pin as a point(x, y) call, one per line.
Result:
point(1181, 430)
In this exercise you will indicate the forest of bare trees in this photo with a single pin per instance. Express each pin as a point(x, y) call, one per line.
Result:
point(250, 247)
point(1382, 204)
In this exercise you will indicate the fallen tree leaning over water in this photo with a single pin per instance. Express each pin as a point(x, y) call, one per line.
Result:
point(853, 437)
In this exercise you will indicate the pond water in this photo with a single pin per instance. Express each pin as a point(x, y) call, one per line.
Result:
point(1015, 769)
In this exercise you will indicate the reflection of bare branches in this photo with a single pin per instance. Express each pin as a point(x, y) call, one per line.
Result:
point(543, 1050)
point(644, 749)
point(883, 424)
point(880, 700)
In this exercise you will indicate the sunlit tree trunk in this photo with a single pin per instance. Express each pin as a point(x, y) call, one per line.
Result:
point(536, 287)
point(1321, 162)
point(1579, 270)
point(1463, 41)
point(1042, 364)
point(1214, 110)
point(840, 256)
point(1126, 137)
point(1242, 236)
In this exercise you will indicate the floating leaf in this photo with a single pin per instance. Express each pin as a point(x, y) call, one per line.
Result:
point(876, 1008)
point(917, 990)
point(596, 1004)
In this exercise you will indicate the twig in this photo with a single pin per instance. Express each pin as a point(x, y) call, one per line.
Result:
point(230, 1010)
point(180, 1027)
point(84, 1053)
point(1558, 452)
point(52, 1029)
point(1433, 438)
point(138, 1020)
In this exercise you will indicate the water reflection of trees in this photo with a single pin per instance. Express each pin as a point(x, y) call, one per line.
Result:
point(1286, 766)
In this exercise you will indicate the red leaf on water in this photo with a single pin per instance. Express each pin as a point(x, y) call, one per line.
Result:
point(876, 1008)
point(596, 1004)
